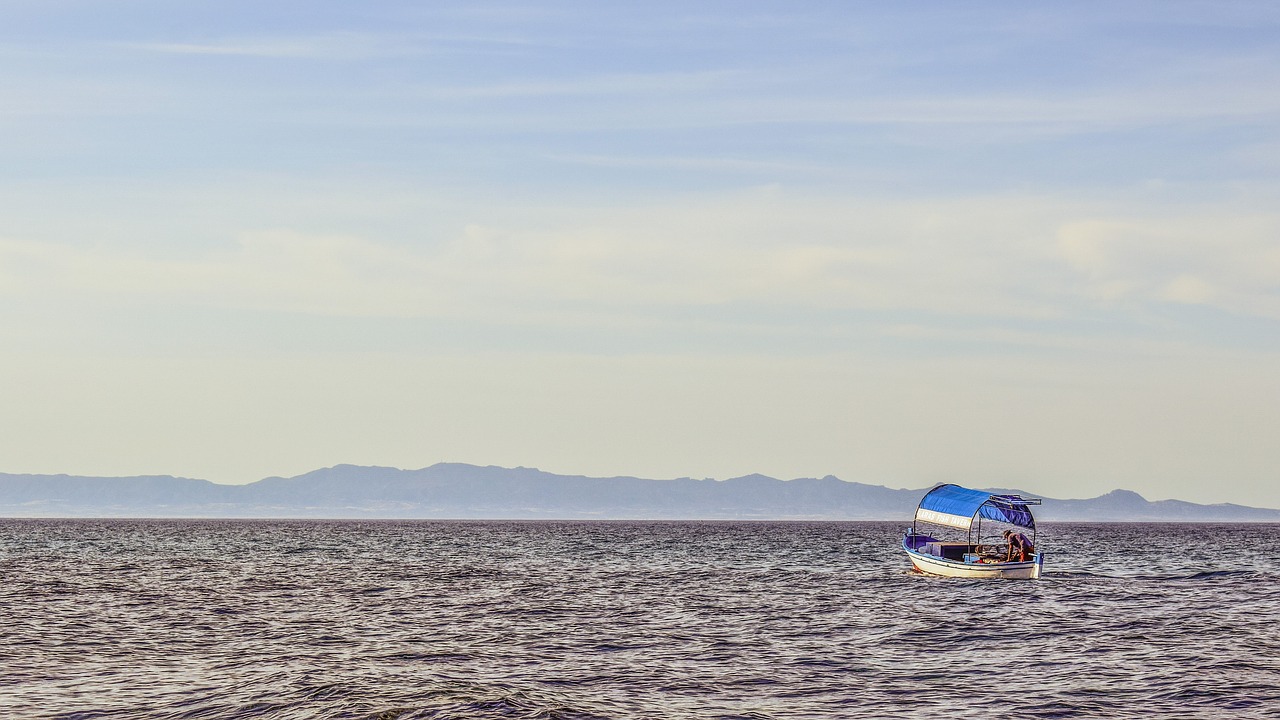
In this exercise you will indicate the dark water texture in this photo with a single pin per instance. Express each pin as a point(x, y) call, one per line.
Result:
point(247, 619)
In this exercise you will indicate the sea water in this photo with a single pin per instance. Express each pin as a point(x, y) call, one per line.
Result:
point(437, 619)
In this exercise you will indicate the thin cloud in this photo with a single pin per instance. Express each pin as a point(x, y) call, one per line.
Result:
point(730, 164)
point(665, 83)
point(339, 46)
point(345, 45)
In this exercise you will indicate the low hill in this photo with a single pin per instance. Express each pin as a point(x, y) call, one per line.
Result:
point(452, 490)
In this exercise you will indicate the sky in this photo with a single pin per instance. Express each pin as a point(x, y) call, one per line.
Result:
point(1029, 245)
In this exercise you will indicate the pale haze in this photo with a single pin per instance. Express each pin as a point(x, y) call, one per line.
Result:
point(1002, 244)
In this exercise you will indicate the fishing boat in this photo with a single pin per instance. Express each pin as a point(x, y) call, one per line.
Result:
point(952, 508)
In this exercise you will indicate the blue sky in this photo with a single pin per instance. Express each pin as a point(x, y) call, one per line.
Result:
point(991, 243)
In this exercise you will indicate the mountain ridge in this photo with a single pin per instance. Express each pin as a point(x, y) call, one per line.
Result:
point(459, 490)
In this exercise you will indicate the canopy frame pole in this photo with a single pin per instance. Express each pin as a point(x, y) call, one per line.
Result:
point(975, 549)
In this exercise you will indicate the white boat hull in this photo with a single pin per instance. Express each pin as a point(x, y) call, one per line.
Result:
point(934, 565)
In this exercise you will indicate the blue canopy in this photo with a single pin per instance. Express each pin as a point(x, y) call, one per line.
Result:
point(956, 506)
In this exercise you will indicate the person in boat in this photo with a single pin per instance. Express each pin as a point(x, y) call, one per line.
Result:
point(1020, 547)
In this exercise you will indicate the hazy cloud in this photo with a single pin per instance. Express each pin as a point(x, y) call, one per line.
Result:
point(995, 257)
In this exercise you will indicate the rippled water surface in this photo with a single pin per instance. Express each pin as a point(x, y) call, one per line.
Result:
point(241, 619)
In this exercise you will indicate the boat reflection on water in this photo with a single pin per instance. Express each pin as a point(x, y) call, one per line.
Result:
point(950, 509)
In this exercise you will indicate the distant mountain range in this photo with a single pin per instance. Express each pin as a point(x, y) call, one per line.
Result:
point(450, 490)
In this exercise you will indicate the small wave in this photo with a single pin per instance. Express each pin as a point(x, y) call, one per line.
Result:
point(429, 657)
point(1201, 575)
point(1217, 574)
point(391, 714)
point(1074, 575)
